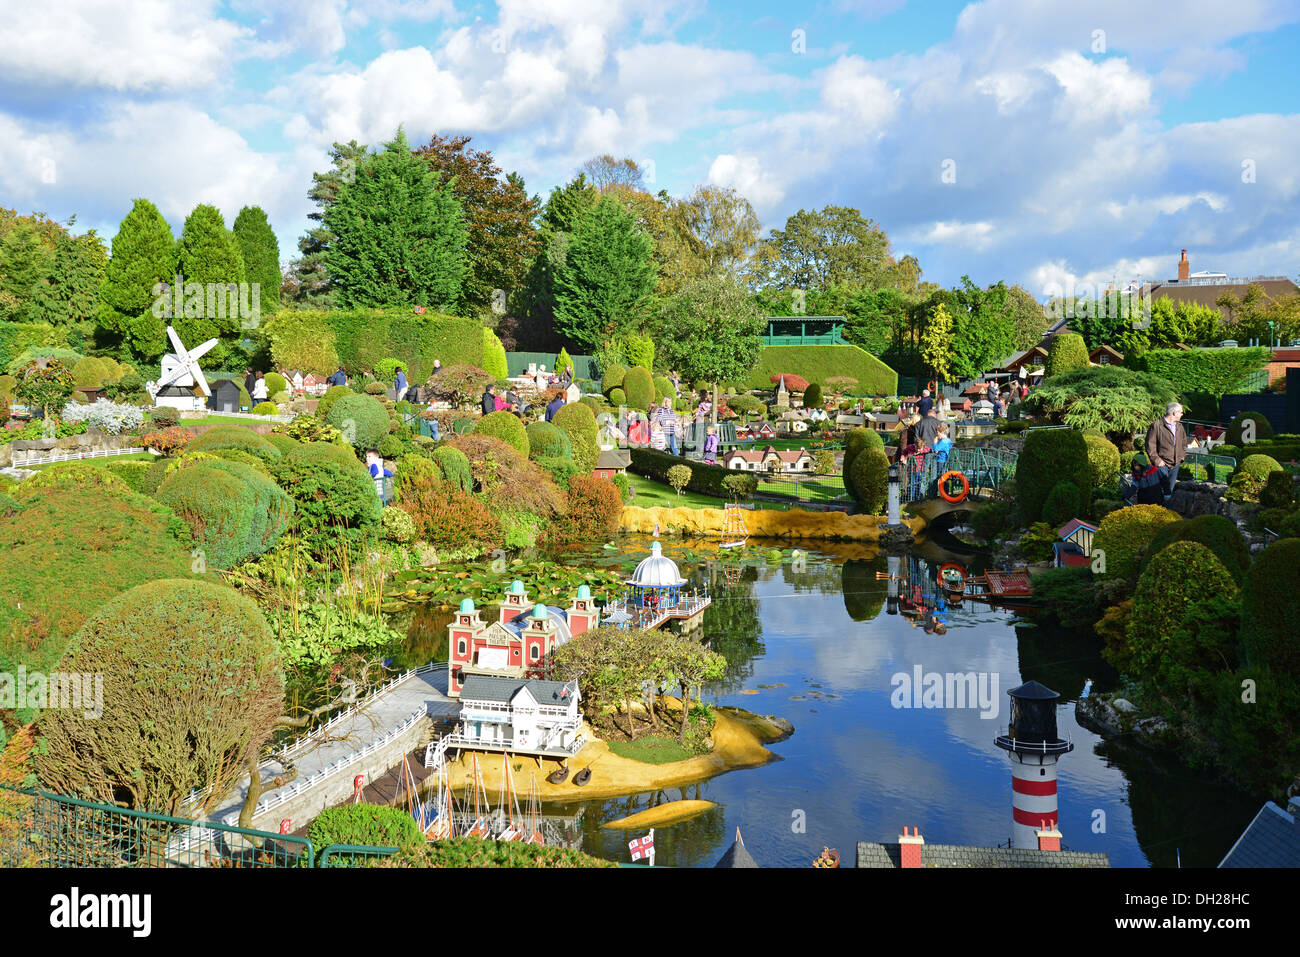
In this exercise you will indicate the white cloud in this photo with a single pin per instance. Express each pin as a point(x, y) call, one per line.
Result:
point(746, 175)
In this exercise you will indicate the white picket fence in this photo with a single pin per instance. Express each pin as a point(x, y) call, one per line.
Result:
point(205, 413)
point(38, 457)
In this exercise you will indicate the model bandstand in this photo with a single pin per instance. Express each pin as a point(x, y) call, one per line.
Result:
point(654, 596)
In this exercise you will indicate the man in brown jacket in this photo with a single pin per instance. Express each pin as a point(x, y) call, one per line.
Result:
point(1167, 446)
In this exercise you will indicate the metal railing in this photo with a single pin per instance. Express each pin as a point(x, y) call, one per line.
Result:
point(918, 477)
point(469, 741)
point(352, 855)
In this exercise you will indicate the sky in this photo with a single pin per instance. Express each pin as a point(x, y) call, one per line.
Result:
point(1058, 146)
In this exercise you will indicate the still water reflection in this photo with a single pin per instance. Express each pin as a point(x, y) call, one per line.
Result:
point(816, 643)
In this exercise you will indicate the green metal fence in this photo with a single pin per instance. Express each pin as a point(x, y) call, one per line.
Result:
point(59, 831)
point(984, 468)
point(352, 855)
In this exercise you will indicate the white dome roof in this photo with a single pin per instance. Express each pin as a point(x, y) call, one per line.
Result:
point(657, 571)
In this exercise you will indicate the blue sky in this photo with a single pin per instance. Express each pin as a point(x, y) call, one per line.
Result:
point(1048, 144)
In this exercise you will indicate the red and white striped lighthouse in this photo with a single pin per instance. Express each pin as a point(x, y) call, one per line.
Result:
point(1032, 744)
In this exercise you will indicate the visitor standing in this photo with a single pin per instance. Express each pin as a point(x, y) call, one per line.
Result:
point(676, 381)
point(666, 419)
point(338, 378)
point(554, 406)
point(711, 445)
point(927, 429)
point(431, 418)
point(250, 380)
point(924, 404)
point(399, 384)
point(489, 401)
point(1166, 446)
point(376, 465)
point(942, 445)
point(657, 438)
point(259, 389)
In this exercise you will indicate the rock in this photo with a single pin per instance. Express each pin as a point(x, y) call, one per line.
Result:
point(787, 728)
point(1151, 731)
point(6, 456)
point(1191, 499)
point(1098, 714)
point(1124, 705)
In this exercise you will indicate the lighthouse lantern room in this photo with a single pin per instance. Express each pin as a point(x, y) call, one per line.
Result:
point(1033, 745)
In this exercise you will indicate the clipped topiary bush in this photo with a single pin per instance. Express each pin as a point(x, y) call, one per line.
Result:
point(362, 419)
point(283, 443)
point(365, 825)
point(812, 396)
point(546, 441)
point(617, 397)
point(1103, 462)
point(1124, 536)
point(266, 408)
point(1064, 502)
point(593, 507)
point(612, 377)
point(857, 441)
point(505, 426)
point(218, 508)
point(579, 423)
point(192, 687)
point(868, 481)
point(332, 395)
point(333, 494)
point(272, 507)
point(235, 437)
point(494, 356)
point(1250, 477)
point(1067, 353)
point(1216, 532)
point(1050, 456)
point(663, 387)
point(455, 467)
point(639, 388)
point(1268, 630)
point(1278, 491)
point(276, 383)
point(1177, 576)
point(1240, 434)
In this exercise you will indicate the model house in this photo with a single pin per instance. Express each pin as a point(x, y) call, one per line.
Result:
point(768, 460)
point(519, 715)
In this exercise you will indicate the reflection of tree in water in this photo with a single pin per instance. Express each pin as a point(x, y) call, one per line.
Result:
point(732, 628)
point(426, 637)
point(864, 594)
point(1177, 813)
point(1063, 659)
point(819, 576)
point(696, 842)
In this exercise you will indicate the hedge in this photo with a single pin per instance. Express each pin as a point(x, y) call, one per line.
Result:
point(1050, 456)
point(1214, 372)
point(365, 337)
point(18, 337)
point(234, 437)
point(705, 479)
point(362, 419)
point(819, 363)
point(1124, 537)
point(1263, 430)
point(638, 386)
point(365, 825)
point(579, 423)
point(505, 426)
point(304, 340)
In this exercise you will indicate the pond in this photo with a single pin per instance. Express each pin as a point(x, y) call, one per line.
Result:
point(815, 642)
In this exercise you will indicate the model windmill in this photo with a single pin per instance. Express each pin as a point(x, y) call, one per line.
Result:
point(182, 385)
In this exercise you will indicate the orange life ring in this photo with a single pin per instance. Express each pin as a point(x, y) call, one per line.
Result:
point(933, 386)
point(943, 487)
point(955, 567)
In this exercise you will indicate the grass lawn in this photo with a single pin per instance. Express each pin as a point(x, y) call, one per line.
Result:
point(650, 494)
point(222, 420)
point(817, 490)
point(101, 460)
point(654, 749)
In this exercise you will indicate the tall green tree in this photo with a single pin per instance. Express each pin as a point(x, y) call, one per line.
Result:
point(605, 282)
point(1029, 320)
point(208, 255)
point(261, 252)
point(308, 284)
point(72, 289)
point(143, 256)
point(720, 229)
point(25, 264)
point(820, 249)
point(399, 234)
point(983, 333)
point(711, 331)
point(499, 218)
point(936, 342)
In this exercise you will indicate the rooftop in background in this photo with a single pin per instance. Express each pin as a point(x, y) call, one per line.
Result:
point(955, 855)
point(1272, 839)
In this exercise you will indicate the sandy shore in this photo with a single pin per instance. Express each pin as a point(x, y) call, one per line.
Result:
point(793, 523)
point(738, 742)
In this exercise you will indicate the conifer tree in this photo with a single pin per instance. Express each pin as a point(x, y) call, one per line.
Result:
point(143, 255)
point(25, 263)
point(71, 292)
point(308, 284)
point(399, 234)
point(261, 252)
point(208, 256)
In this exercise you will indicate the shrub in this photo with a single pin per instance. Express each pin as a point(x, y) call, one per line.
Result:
point(374, 388)
point(106, 416)
point(167, 441)
point(867, 480)
point(283, 443)
point(679, 476)
point(89, 373)
point(505, 426)
point(1178, 575)
point(276, 383)
point(192, 689)
point(463, 852)
point(1101, 507)
point(455, 467)
point(812, 396)
point(638, 386)
point(460, 384)
point(621, 483)
point(398, 525)
point(333, 493)
point(218, 508)
point(1249, 479)
point(68, 475)
point(494, 356)
point(990, 519)
point(740, 487)
point(1278, 491)
point(1268, 631)
point(1050, 456)
point(74, 546)
point(1063, 503)
point(140, 477)
point(1238, 433)
point(562, 361)
point(272, 507)
point(364, 825)
point(593, 508)
point(164, 417)
point(362, 419)
point(664, 387)
point(1103, 462)
point(546, 441)
point(266, 408)
point(332, 395)
point(1067, 353)
point(617, 397)
point(1124, 536)
point(579, 423)
point(1216, 532)
point(561, 469)
point(456, 520)
point(857, 441)
point(235, 437)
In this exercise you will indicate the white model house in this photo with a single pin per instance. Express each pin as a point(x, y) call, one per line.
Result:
point(519, 715)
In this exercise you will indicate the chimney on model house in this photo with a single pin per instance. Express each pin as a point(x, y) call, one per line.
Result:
point(1049, 837)
point(1184, 268)
point(909, 848)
